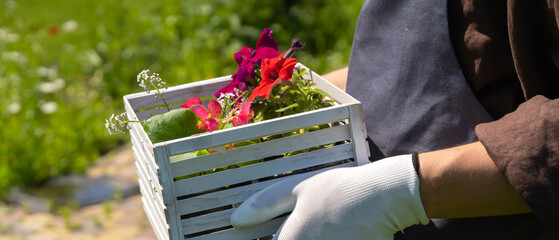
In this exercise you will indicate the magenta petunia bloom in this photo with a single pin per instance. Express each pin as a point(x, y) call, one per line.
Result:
point(266, 47)
point(246, 58)
point(235, 83)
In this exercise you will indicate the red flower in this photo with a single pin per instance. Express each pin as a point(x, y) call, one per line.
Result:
point(274, 70)
point(208, 117)
point(53, 30)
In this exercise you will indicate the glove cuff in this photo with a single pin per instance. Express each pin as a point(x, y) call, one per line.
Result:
point(391, 184)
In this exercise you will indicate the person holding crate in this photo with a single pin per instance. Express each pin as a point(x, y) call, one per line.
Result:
point(472, 86)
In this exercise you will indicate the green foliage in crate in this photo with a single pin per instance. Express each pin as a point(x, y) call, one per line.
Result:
point(298, 96)
point(65, 65)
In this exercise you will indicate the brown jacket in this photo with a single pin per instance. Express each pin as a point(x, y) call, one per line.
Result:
point(509, 53)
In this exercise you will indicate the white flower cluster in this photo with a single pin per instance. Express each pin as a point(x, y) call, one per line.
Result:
point(117, 124)
point(49, 107)
point(147, 82)
point(47, 72)
point(225, 99)
point(70, 26)
point(51, 87)
point(7, 36)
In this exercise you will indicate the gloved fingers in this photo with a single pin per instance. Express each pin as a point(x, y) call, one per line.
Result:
point(276, 236)
point(285, 232)
point(270, 202)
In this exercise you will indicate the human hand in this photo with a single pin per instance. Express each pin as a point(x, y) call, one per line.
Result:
point(372, 201)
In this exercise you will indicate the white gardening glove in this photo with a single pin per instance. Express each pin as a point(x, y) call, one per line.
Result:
point(372, 201)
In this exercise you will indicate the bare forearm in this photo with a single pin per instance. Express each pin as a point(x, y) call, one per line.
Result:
point(337, 77)
point(464, 182)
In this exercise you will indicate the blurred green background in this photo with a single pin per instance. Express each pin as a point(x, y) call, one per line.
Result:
point(65, 64)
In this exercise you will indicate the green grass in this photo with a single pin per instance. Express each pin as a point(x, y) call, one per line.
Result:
point(57, 87)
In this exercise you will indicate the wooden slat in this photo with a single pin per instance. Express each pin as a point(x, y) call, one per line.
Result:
point(359, 134)
point(178, 93)
point(152, 202)
point(169, 193)
point(143, 141)
point(260, 150)
point(233, 195)
point(262, 230)
point(154, 196)
point(222, 198)
point(142, 173)
point(129, 110)
point(154, 213)
point(142, 160)
point(206, 222)
point(265, 169)
point(160, 233)
point(151, 165)
point(149, 192)
point(143, 137)
point(138, 142)
point(135, 132)
point(257, 130)
point(156, 222)
point(145, 149)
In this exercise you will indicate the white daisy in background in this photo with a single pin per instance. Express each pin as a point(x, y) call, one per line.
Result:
point(49, 107)
point(47, 72)
point(51, 87)
point(69, 26)
point(14, 56)
point(14, 107)
point(7, 36)
point(102, 47)
point(93, 58)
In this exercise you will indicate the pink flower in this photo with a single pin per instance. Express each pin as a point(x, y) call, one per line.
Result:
point(245, 114)
point(208, 117)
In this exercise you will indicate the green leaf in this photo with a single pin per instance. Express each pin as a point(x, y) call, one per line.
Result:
point(319, 91)
point(227, 125)
point(304, 104)
point(246, 143)
point(174, 124)
point(202, 152)
point(288, 107)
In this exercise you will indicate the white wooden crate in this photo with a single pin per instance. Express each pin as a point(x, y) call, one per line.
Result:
point(200, 207)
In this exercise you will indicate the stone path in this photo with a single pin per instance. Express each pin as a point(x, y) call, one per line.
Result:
point(118, 219)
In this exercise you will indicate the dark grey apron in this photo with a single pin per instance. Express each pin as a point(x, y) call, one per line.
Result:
point(415, 98)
